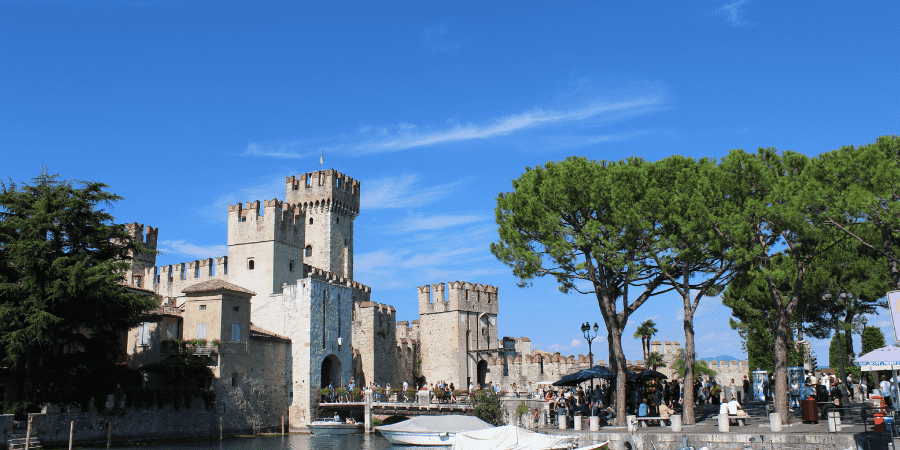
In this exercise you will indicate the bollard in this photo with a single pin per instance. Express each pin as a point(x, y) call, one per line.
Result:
point(578, 423)
point(595, 423)
point(775, 422)
point(834, 424)
point(631, 423)
point(724, 425)
point(71, 433)
point(367, 413)
point(676, 422)
point(561, 419)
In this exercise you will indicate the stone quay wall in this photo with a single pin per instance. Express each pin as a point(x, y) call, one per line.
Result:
point(136, 425)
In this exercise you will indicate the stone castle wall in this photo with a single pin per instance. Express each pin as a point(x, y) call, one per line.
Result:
point(375, 343)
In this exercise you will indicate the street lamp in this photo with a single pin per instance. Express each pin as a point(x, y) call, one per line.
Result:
point(586, 330)
point(838, 335)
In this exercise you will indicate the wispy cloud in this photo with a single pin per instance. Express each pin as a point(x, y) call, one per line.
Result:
point(403, 192)
point(436, 38)
point(410, 137)
point(268, 187)
point(406, 136)
point(732, 13)
point(186, 248)
point(415, 223)
point(291, 150)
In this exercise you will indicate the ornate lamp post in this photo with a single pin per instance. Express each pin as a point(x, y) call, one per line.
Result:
point(586, 330)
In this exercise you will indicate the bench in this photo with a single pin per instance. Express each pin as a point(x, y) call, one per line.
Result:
point(646, 419)
point(739, 420)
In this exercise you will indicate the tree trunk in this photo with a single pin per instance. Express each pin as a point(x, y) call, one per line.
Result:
point(781, 338)
point(620, 377)
point(888, 246)
point(687, 413)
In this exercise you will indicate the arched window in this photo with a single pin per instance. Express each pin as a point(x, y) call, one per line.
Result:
point(310, 220)
point(291, 266)
point(337, 220)
point(250, 264)
point(309, 250)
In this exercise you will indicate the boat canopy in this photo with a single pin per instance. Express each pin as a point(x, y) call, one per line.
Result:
point(452, 423)
point(509, 438)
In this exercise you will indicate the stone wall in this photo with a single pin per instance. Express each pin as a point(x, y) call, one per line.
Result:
point(374, 338)
point(314, 314)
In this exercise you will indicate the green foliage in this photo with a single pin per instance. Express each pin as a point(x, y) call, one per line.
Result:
point(376, 422)
point(872, 339)
point(521, 409)
point(487, 407)
point(61, 263)
point(700, 367)
point(645, 332)
point(655, 360)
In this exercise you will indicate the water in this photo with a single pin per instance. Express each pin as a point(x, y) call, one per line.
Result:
point(292, 442)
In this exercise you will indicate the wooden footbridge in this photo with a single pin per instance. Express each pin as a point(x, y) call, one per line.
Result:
point(366, 410)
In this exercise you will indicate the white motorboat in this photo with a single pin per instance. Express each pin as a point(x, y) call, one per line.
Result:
point(430, 430)
point(512, 437)
point(332, 427)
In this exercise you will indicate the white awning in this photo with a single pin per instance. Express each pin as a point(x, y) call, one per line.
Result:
point(886, 358)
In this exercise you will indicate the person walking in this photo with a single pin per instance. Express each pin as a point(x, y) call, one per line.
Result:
point(746, 390)
point(863, 389)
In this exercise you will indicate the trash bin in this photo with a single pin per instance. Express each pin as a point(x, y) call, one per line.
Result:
point(810, 410)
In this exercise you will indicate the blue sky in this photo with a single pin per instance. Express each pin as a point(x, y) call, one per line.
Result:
point(183, 107)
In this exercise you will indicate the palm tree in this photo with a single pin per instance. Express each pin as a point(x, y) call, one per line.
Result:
point(655, 360)
point(645, 332)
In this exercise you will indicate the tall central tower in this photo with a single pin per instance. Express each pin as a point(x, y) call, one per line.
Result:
point(330, 200)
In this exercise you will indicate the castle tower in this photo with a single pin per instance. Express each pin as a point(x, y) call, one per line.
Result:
point(143, 264)
point(265, 245)
point(330, 201)
point(458, 332)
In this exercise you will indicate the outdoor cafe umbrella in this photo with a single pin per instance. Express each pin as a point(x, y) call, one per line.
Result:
point(573, 379)
point(649, 374)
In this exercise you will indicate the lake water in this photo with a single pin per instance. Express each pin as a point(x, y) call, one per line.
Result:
point(292, 442)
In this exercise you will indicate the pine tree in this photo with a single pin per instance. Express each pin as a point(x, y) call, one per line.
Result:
point(63, 309)
point(872, 338)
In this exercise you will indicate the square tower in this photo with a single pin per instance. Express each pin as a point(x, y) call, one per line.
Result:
point(265, 245)
point(458, 331)
point(330, 202)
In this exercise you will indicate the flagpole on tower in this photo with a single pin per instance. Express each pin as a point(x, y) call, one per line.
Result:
point(322, 161)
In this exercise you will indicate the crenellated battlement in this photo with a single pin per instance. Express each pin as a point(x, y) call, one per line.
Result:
point(361, 292)
point(146, 236)
point(459, 296)
point(324, 190)
point(266, 221)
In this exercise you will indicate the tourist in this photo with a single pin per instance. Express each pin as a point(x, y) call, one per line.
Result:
point(529, 390)
point(885, 387)
point(734, 409)
point(723, 408)
point(850, 385)
point(515, 389)
point(405, 388)
point(732, 390)
point(715, 392)
point(795, 393)
point(451, 391)
point(746, 389)
point(863, 389)
point(643, 409)
point(664, 414)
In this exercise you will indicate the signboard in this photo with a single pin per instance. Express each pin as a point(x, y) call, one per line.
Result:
point(894, 304)
point(760, 380)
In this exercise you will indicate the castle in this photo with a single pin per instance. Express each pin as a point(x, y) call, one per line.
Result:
point(287, 317)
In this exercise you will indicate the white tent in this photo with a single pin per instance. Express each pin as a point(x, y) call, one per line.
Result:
point(885, 358)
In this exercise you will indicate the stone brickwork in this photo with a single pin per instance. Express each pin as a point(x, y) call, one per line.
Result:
point(331, 202)
point(375, 343)
point(316, 314)
point(457, 331)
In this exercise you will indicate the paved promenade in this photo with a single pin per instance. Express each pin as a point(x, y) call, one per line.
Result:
point(755, 435)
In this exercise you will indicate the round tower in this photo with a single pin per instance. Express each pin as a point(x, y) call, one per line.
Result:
point(330, 201)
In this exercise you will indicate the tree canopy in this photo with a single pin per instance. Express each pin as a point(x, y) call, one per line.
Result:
point(63, 309)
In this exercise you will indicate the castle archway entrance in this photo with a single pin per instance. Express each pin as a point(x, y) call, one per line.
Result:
point(331, 372)
point(482, 372)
